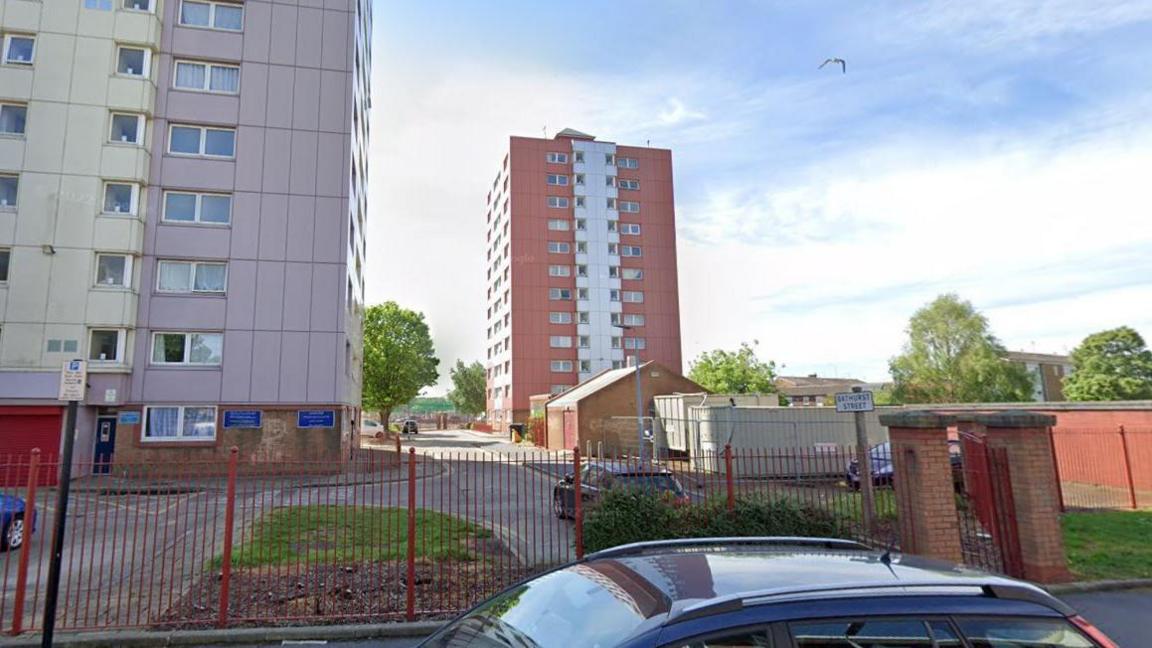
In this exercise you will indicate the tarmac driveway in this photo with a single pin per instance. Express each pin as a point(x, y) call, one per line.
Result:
point(1123, 615)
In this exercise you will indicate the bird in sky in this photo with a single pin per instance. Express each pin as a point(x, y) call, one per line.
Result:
point(835, 61)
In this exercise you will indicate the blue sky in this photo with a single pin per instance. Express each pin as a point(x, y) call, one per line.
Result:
point(1000, 152)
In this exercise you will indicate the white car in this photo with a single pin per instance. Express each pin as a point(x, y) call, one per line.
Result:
point(370, 427)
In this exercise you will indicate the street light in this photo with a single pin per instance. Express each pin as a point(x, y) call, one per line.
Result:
point(639, 393)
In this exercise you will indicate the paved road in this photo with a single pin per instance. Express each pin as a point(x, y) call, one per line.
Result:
point(1122, 615)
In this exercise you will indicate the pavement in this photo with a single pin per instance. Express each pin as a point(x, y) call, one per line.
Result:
point(1123, 615)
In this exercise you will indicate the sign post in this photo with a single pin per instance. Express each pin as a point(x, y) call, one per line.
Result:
point(858, 402)
point(73, 384)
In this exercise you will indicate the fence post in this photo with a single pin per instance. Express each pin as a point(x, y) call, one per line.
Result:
point(728, 476)
point(577, 498)
point(1056, 465)
point(226, 559)
point(1128, 467)
point(26, 548)
point(410, 609)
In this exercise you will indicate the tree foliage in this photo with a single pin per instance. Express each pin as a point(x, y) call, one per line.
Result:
point(734, 372)
point(951, 357)
point(399, 358)
point(1110, 365)
point(469, 388)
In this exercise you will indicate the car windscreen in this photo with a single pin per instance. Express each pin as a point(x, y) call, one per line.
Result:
point(577, 606)
point(655, 482)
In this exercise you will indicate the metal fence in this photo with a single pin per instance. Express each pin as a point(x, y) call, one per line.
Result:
point(1104, 468)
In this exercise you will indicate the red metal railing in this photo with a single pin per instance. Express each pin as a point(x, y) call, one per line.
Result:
point(1104, 468)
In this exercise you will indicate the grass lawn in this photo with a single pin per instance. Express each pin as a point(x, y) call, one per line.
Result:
point(1110, 544)
point(344, 534)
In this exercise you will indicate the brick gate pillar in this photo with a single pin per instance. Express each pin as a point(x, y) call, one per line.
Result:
point(1035, 493)
point(922, 477)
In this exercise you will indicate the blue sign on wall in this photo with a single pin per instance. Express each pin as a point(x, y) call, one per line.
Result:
point(129, 418)
point(316, 418)
point(242, 418)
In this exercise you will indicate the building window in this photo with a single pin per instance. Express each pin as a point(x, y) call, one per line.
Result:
point(106, 345)
point(200, 140)
point(614, 272)
point(138, 5)
point(19, 50)
point(561, 366)
point(581, 271)
point(616, 342)
point(13, 119)
point(581, 224)
point(629, 228)
point(585, 366)
point(187, 348)
point(560, 341)
point(612, 226)
point(127, 129)
point(207, 77)
point(113, 270)
point(557, 201)
point(610, 181)
point(630, 250)
point(581, 247)
point(579, 179)
point(559, 294)
point(633, 273)
point(633, 296)
point(638, 344)
point(559, 247)
point(583, 317)
point(120, 197)
point(132, 61)
point(631, 185)
point(582, 293)
point(179, 423)
point(187, 207)
point(611, 203)
point(633, 319)
point(560, 389)
point(558, 225)
point(578, 156)
point(99, 5)
point(191, 277)
point(579, 201)
point(615, 319)
point(609, 159)
point(628, 163)
point(559, 271)
point(557, 179)
point(5, 257)
point(9, 191)
point(617, 364)
point(63, 346)
point(556, 317)
point(556, 158)
point(613, 295)
point(629, 207)
point(613, 248)
point(585, 342)
point(213, 15)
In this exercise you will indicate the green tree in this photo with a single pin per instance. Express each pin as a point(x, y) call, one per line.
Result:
point(469, 388)
point(399, 359)
point(1110, 365)
point(734, 372)
point(951, 357)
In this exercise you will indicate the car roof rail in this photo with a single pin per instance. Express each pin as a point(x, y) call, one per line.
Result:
point(997, 588)
point(638, 548)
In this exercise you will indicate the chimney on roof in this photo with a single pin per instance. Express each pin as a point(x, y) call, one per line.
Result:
point(812, 375)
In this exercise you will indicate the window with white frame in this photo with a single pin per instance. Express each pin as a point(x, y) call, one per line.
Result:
point(631, 185)
point(559, 247)
point(616, 319)
point(633, 319)
point(556, 158)
point(617, 364)
point(578, 156)
point(19, 49)
point(614, 272)
point(559, 271)
point(616, 342)
point(9, 191)
point(113, 270)
point(127, 128)
point(610, 203)
point(561, 366)
point(207, 77)
point(558, 179)
point(138, 5)
point(585, 366)
point(558, 317)
point(582, 317)
point(638, 344)
point(610, 181)
point(202, 141)
point(558, 225)
point(582, 293)
point(579, 201)
point(609, 159)
point(581, 224)
point(585, 341)
point(5, 257)
point(581, 270)
point(629, 207)
point(582, 247)
point(13, 119)
point(632, 273)
point(633, 296)
point(614, 295)
point(194, 207)
point(191, 277)
point(612, 227)
point(187, 348)
point(212, 15)
point(627, 163)
point(559, 389)
point(630, 250)
point(133, 61)
point(579, 179)
point(121, 197)
point(559, 294)
point(560, 341)
point(557, 202)
point(629, 228)
point(179, 423)
point(106, 345)
point(99, 5)
point(613, 248)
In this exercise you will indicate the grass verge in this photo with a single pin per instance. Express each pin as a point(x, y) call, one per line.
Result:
point(1109, 544)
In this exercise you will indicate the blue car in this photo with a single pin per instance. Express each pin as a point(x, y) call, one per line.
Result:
point(768, 592)
point(13, 527)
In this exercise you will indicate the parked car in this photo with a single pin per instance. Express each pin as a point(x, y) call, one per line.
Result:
point(781, 592)
point(409, 427)
point(882, 468)
point(370, 428)
point(14, 529)
point(598, 476)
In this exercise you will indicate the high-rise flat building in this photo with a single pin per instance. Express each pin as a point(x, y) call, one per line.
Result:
point(182, 205)
point(581, 255)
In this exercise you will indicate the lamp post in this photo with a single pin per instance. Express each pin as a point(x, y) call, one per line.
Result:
point(639, 393)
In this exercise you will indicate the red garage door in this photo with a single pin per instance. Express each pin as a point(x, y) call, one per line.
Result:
point(24, 428)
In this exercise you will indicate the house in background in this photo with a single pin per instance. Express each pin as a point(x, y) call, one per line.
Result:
point(813, 391)
point(1047, 370)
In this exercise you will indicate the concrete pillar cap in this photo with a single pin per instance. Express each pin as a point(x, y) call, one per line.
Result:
point(1015, 419)
point(920, 419)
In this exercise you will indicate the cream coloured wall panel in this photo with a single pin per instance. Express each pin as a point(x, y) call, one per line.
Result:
point(92, 64)
point(22, 15)
point(73, 273)
point(23, 345)
point(29, 269)
point(88, 128)
point(45, 149)
point(15, 82)
point(52, 64)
